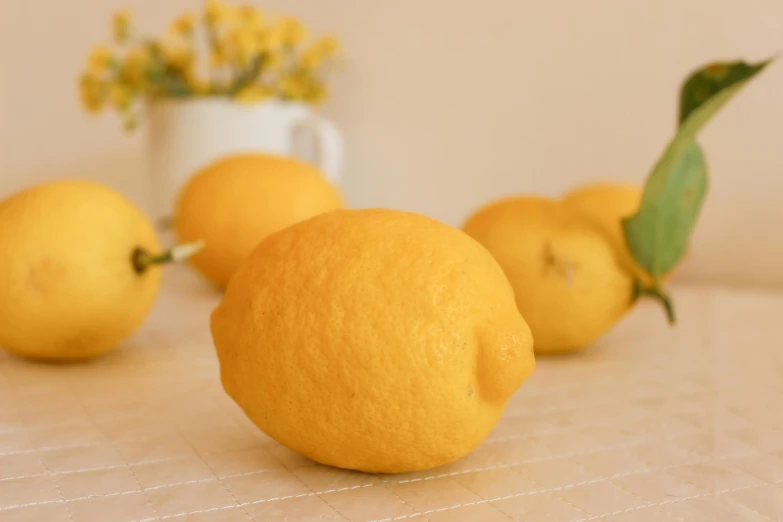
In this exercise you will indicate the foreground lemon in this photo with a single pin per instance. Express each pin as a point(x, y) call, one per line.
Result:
point(236, 202)
point(374, 340)
point(76, 274)
point(566, 278)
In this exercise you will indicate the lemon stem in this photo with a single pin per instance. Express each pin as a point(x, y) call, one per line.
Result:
point(655, 291)
point(142, 260)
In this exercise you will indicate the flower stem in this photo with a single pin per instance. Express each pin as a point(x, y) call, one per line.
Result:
point(142, 260)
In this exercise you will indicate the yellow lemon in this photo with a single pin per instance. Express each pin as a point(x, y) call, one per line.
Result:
point(75, 270)
point(374, 340)
point(567, 282)
point(607, 204)
point(236, 202)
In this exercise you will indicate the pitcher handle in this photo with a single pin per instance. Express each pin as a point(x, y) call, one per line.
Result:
point(328, 144)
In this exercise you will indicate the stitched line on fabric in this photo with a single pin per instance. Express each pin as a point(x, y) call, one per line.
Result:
point(570, 486)
point(432, 477)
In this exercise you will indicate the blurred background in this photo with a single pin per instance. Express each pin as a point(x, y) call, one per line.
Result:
point(446, 105)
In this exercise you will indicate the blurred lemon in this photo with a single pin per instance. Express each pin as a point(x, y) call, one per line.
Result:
point(566, 279)
point(375, 340)
point(607, 204)
point(236, 202)
point(76, 274)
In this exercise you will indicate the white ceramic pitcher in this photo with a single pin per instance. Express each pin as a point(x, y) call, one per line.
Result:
point(186, 135)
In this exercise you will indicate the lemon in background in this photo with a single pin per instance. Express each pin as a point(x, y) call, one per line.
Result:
point(607, 204)
point(236, 202)
point(567, 281)
point(77, 272)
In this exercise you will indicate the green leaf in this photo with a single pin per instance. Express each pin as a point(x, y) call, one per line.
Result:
point(707, 89)
point(658, 234)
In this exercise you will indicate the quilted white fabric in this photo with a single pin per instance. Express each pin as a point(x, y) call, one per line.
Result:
point(651, 424)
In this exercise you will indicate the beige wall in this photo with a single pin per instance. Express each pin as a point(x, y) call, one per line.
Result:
point(470, 99)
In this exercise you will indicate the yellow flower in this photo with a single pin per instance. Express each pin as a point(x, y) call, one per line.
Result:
point(291, 31)
point(217, 58)
point(121, 25)
point(270, 40)
point(310, 59)
point(119, 96)
point(246, 41)
point(299, 85)
point(198, 85)
point(273, 59)
point(253, 94)
point(177, 55)
point(216, 12)
point(243, 45)
point(291, 87)
point(183, 26)
point(250, 16)
point(134, 67)
point(315, 93)
point(92, 93)
point(99, 60)
point(313, 57)
point(328, 45)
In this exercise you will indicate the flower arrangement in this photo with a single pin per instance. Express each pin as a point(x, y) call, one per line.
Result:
point(233, 51)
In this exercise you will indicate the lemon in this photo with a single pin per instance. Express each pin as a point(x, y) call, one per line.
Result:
point(374, 340)
point(607, 204)
point(236, 202)
point(75, 270)
point(566, 278)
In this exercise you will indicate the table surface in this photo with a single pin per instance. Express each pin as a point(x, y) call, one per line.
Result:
point(650, 424)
